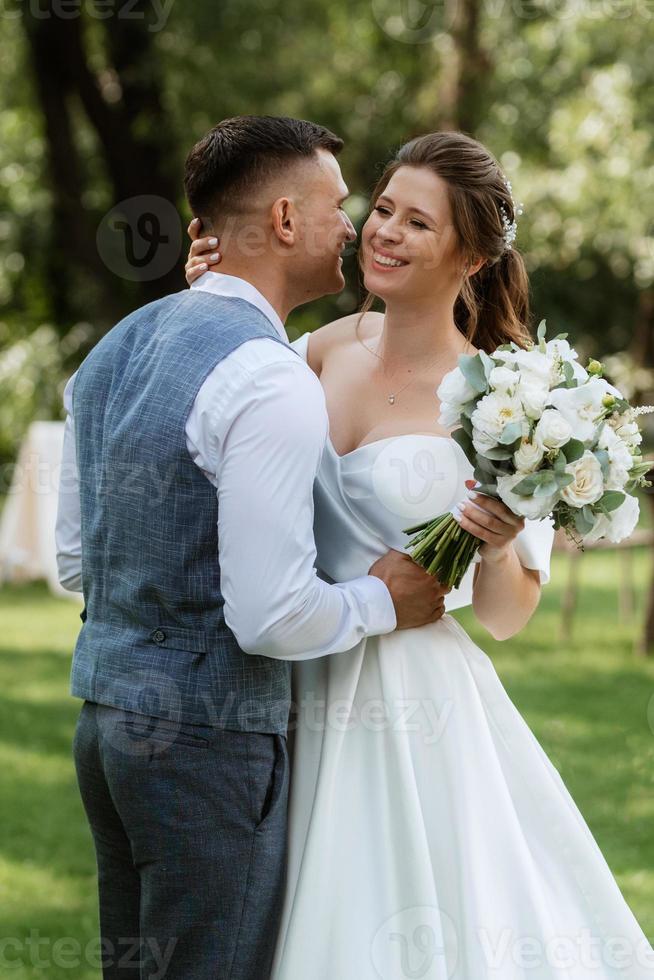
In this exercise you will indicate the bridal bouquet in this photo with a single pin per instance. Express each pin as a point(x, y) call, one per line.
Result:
point(546, 437)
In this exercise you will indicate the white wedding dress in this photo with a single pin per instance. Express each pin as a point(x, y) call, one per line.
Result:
point(430, 835)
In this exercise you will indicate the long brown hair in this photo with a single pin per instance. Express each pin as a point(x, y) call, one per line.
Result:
point(492, 307)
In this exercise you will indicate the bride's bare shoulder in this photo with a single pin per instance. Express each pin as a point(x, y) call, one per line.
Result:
point(339, 333)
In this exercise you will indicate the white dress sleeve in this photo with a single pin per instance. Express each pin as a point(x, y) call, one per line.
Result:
point(301, 345)
point(533, 546)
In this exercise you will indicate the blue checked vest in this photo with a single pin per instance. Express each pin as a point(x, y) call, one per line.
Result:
point(154, 638)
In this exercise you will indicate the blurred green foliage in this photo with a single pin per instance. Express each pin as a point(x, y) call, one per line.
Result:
point(561, 93)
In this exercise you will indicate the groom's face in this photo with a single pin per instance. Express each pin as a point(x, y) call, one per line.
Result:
point(324, 229)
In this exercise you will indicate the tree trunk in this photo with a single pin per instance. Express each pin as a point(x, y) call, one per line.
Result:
point(462, 96)
point(136, 147)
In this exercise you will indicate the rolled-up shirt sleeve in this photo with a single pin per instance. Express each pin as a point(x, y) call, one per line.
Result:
point(263, 434)
point(68, 535)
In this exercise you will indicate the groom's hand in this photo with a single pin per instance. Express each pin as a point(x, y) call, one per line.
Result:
point(418, 597)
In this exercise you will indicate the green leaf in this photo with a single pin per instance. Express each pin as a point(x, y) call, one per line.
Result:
point(560, 462)
point(582, 525)
point(603, 459)
point(542, 330)
point(527, 486)
point(564, 480)
point(568, 372)
point(574, 450)
point(487, 362)
point(546, 488)
point(466, 424)
point(511, 433)
point(611, 500)
point(473, 371)
point(498, 453)
point(461, 436)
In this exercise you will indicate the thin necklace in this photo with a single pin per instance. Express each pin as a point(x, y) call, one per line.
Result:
point(392, 396)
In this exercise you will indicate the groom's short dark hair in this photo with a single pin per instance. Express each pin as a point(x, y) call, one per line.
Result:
point(241, 153)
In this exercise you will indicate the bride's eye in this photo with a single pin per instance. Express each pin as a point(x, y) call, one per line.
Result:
point(418, 224)
point(381, 209)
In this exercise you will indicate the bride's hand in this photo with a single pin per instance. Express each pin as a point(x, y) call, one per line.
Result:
point(490, 520)
point(202, 255)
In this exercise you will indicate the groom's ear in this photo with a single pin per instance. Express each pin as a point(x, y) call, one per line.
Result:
point(284, 221)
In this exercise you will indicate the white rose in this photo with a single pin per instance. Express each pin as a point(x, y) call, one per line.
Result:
point(618, 525)
point(493, 413)
point(503, 379)
point(454, 388)
point(553, 430)
point(581, 406)
point(533, 508)
point(529, 456)
point(588, 484)
point(483, 442)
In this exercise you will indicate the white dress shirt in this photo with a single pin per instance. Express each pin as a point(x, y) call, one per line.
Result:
point(257, 430)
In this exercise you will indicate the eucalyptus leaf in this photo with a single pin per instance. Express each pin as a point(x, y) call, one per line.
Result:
point(473, 371)
point(511, 433)
point(611, 500)
point(464, 440)
point(582, 525)
point(574, 450)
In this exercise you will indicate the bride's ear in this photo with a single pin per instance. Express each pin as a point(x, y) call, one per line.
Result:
point(284, 221)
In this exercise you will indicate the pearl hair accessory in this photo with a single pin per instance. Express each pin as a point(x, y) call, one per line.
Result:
point(510, 227)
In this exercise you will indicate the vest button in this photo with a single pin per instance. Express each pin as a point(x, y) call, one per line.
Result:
point(158, 636)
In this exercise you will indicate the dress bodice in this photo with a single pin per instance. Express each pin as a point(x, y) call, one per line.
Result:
point(366, 498)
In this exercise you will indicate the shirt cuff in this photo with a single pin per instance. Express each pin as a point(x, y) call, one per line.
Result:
point(376, 599)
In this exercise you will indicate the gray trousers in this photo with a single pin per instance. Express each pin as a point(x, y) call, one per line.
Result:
point(189, 825)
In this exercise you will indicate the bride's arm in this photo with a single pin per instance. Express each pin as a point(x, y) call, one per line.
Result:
point(505, 594)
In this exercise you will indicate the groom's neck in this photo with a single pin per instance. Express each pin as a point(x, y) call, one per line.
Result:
point(269, 281)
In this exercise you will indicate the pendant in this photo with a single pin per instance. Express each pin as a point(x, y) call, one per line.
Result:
point(391, 399)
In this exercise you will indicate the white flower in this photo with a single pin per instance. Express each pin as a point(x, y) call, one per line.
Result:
point(529, 456)
point(532, 364)
point(620, 458)
point(561, 349)
point(626, 428)
point(533, 508)
point(618, 525)
point(581, 406)
point(503, 379)
point(492, 414)
point(450, 416)
point(588, 484)
point(534, 396)
point(553, 429)
point(454, 388)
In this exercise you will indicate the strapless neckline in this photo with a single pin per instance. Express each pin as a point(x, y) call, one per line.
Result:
point(379, 442)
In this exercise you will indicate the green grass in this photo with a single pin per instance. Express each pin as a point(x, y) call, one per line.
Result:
point(587, 701)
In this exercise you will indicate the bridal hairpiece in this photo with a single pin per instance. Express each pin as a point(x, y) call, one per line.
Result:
point(510, 227)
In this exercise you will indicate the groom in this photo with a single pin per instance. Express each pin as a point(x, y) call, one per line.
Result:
point(193, 438)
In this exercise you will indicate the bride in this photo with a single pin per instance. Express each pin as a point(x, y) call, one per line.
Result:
point(430, 836)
